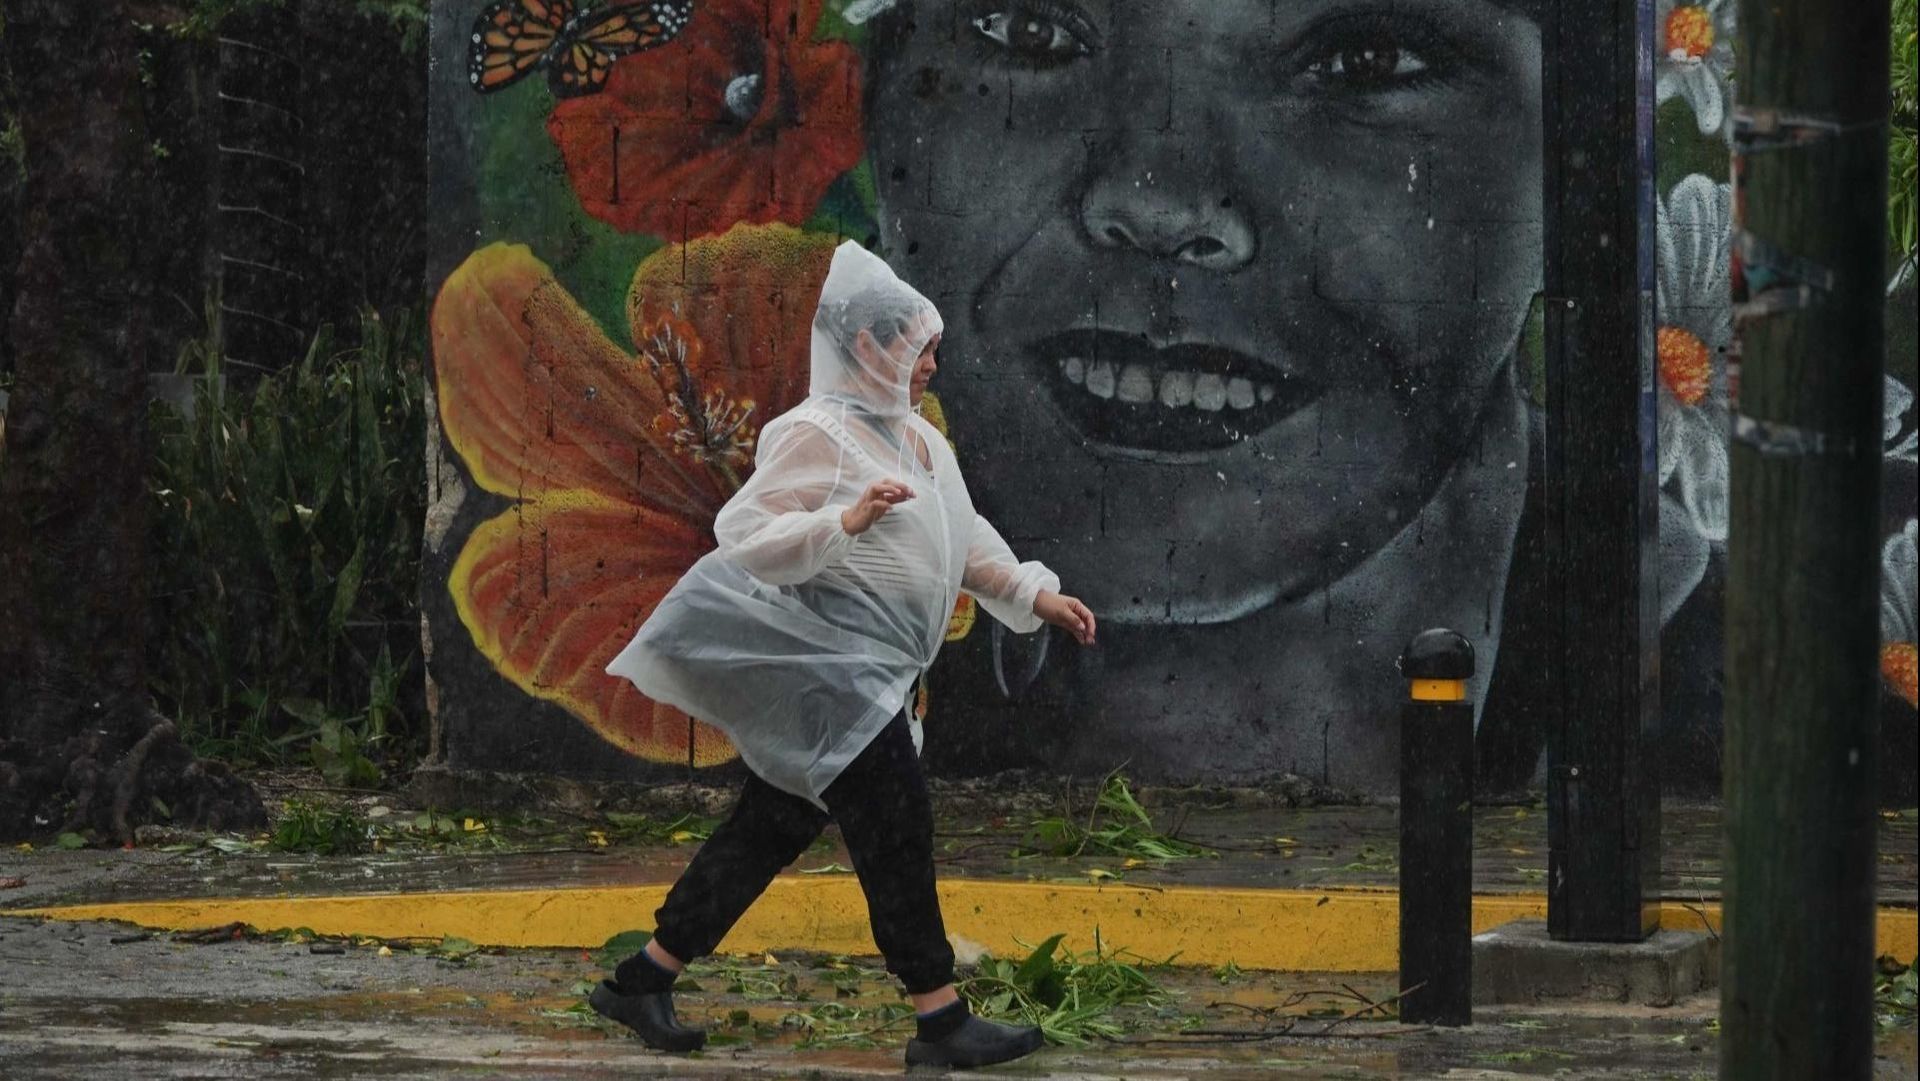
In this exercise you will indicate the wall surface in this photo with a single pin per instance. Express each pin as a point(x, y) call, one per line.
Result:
point(1242, 340)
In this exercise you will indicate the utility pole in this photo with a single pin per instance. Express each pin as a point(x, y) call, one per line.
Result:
point(1803, 576)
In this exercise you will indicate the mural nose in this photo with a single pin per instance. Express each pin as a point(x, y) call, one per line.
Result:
point(1165, 226)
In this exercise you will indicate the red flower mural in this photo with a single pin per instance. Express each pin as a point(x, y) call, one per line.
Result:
point(743, 117)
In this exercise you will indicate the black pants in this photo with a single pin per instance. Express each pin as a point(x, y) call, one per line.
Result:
point(886, 816)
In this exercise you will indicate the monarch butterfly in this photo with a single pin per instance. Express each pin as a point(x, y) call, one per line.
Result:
point(576, 47)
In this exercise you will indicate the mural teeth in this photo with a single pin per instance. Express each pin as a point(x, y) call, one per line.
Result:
point(1100, 379)
point(1240, 393)
point(1176, 389)
point(1210, 392)
point(1136, 384)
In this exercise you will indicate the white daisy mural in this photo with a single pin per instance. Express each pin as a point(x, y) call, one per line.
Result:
point(1899, 625)
point(1899, 399)
point(1695, 59)
point(1695, 308)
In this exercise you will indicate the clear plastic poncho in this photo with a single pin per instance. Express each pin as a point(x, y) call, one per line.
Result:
point(796, 639)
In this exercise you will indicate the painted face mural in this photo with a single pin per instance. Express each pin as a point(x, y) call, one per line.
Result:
point(1238, 300)
point(1243, 290)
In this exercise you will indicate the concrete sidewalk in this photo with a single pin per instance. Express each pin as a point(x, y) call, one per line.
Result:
point(81, 1000)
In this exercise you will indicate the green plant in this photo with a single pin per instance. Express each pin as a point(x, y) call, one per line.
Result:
point(1895, 991)
point(1373, 860)
point(1128, 831)
point(290, 521)
point(640, 828)
point(620, 947)
point(846, 1025)
point(453, 948)
point(445, 829)
point(406, 19)
point(1068, 995)
point(313, 827)
point(1903, 170)
point(338, 748)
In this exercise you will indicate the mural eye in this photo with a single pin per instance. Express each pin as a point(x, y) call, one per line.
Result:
point(1373, 62)
point(1039, 34)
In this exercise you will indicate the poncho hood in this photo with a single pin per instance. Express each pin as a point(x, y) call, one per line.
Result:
point(868, 332)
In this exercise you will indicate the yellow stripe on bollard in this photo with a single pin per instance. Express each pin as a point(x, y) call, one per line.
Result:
point(1438, 690)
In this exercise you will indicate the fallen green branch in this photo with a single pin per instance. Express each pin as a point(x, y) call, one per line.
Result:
point(1127, 832)
point(1068, 996)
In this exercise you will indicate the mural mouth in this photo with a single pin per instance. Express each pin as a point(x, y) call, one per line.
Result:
point(1123, 392)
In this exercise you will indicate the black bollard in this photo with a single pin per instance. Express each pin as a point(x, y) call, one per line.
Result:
point(1436, 831)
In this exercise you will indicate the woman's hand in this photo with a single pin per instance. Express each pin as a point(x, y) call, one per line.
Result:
point(873, 505)
point(1067, 613)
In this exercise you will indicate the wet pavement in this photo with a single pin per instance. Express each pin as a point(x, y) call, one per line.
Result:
point(1300, 848)
point(108, 1001)
point(78, 1003)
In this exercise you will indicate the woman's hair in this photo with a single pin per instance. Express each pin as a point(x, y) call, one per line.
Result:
point(887, 310)
point(862, 295)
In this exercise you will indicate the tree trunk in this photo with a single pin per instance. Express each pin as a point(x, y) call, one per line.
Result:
point(81, 748)
point(1803, 629)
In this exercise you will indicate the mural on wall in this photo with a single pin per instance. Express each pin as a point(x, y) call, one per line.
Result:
point(615, 461)
point(1241, 340)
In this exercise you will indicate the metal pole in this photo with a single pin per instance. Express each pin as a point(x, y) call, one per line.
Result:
point(1603, 799)
point(1436, 831)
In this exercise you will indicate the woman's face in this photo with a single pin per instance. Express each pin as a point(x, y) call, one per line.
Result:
point(895, 357)
point(1231, 278)
point(924, 367)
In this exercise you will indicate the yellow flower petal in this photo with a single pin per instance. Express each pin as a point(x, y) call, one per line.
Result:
point(935, 414)
point(965, 613)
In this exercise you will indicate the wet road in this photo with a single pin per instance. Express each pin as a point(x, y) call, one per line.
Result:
point(77, 1004)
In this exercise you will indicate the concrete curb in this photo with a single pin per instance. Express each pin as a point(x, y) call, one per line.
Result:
point(1298, 930)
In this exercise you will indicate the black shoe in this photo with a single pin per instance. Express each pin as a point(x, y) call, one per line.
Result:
point(650, 1015)
point(976, 1043)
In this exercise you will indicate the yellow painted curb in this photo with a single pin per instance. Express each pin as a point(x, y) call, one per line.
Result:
point(1310, 930)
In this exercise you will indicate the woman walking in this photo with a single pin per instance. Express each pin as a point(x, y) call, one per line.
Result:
point(803, 636)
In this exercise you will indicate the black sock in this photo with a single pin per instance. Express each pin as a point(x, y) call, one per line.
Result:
point(942, 1022)
point(642, 975)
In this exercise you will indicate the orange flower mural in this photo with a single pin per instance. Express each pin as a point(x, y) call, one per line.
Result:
point(617, 462)
point(1900, 667)
point(743, 117)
